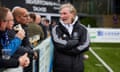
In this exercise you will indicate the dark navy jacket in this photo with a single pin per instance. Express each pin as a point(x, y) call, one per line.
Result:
point(68, 48)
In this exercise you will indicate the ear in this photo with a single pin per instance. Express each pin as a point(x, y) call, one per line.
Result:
point(17, 18)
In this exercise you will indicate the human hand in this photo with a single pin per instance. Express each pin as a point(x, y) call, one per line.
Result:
point(20, 34)
point(24, 60)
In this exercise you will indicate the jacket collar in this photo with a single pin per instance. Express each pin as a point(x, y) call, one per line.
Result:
point(75, 20)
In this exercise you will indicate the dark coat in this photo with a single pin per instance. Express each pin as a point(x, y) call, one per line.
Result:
point(26, 47)
point(68, 48)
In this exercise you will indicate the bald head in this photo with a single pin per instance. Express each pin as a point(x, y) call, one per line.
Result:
point(18, 11)
point(21, 15)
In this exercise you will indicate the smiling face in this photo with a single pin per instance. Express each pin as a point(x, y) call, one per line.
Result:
point(67, 13)
point(66, 16)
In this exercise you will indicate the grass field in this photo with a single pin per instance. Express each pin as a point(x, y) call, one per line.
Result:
point(109, 52)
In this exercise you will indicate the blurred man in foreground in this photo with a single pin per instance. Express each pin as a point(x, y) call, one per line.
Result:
point(23, 61)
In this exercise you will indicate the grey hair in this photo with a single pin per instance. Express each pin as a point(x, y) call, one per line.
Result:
point(71, 8)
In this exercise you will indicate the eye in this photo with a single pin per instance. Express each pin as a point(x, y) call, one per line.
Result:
point(64, 13)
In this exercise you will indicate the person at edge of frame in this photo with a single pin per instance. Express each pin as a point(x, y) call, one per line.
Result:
point(23, 61)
